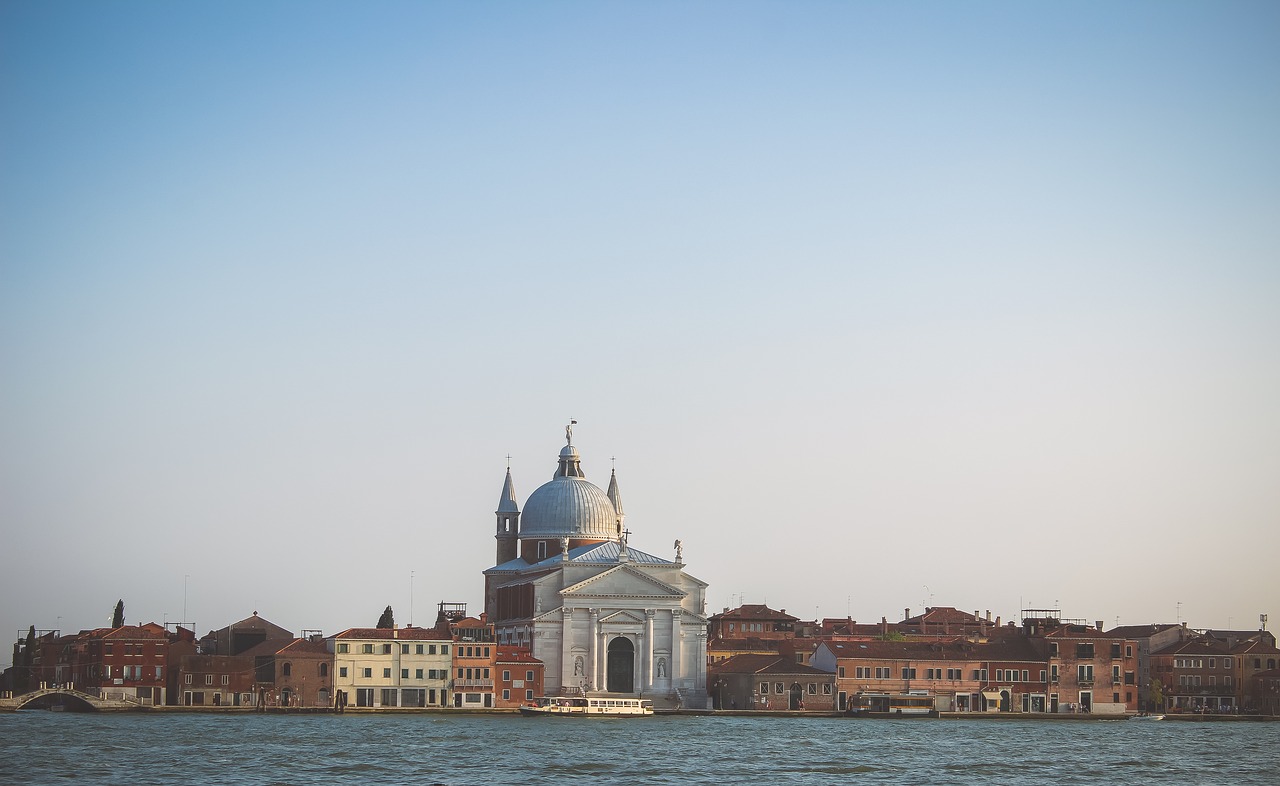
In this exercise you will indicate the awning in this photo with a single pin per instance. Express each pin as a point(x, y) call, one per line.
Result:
point(991, 695)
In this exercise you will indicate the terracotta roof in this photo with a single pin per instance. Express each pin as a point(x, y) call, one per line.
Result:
point(1142, 631)
point(764, 664)
point(515, 655)
point(1010, 649)
point(394, 634)
point(1196, 646)
point(754, 611)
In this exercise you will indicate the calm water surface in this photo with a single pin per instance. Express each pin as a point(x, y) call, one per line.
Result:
point(39, 747)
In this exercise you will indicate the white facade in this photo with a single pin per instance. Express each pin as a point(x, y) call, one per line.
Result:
point(604, 618)
point(382, 668)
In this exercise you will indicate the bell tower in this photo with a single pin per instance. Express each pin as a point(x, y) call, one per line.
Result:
point(508, 530)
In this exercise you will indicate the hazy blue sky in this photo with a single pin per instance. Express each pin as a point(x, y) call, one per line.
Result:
point(876, 304)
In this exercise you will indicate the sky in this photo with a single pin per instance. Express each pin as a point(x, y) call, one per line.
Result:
point(874, 305)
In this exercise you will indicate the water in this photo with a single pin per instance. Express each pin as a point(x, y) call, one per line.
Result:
point(39, 747)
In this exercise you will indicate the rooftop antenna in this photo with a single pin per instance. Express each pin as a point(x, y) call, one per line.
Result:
point(1263, 619)
point(411, 583)
point(1179, 617)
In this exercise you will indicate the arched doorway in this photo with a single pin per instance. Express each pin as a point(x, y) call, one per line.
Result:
point(621, 669)
point(796, 701)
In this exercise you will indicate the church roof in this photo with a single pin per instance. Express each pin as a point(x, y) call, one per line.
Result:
point(507, 502)
point(606, 552)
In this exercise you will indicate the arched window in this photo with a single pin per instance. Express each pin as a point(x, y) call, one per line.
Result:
point(288, 669)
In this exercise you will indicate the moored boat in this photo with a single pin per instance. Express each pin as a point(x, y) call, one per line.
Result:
point(584, 707)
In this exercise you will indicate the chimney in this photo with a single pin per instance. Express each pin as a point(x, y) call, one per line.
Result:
point(988, 615)
point(906, 614)
point(997, 622)
point(1100, 624)
point(395, 631)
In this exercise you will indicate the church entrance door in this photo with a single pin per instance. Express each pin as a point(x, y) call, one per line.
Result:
point(622, 660)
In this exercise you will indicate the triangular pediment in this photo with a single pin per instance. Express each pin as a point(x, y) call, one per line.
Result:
point(622, 618)
point(622, 581)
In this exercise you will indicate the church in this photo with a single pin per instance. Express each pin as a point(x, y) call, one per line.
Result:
point(604, 617)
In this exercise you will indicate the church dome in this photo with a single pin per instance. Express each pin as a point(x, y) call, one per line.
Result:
point(569, 507)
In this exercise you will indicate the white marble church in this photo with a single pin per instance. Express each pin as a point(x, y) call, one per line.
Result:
point(604, 617)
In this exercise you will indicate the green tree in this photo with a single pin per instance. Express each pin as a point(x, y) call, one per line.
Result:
point(1155, 694)
point(117, 618)
point(387, 620)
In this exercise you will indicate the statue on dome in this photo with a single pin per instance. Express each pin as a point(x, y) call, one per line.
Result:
point(568, 431)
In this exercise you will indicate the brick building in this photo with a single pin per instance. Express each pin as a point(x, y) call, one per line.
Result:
point(770, 682)
point(518, 677)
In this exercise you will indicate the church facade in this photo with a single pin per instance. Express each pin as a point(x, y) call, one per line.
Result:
point(604, 617)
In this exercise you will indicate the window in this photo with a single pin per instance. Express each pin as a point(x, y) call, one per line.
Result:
point(342, 671)
point(386, 649)
point(1128, 678)
point(882, 672)
point(1128, 650)
point(506, 675)
point(444, 649)
point(186, 679)
point(287, 669)
point(431, 649)
point(418, 651)
point(417, 674)
point(1226, 663)
point(225, 679)
point(813, 689)
point(366, 673)
point(343, 648)
point(764, 687)
point(1115, 649)
point(1084, 649)
point(1213, 663)
point(367, 649)
point(1084, 672)
point(826, 689)
point(840, 672)
point(106, 648)
point(1115, 674)
point(159, 672)
point(1053, 649)
point(386, 674)
point(528, 675)
point(486, 652)
point(486, 674)
point(324, 670)
point(528, 695)
point(980, 674)
point(208, 679)
point(542, 549)
point(404, 674)
point(777, 687)
point(908, 674)
point(404, 649)
point(999, 675)
point(506, 695)
point(1026, 674)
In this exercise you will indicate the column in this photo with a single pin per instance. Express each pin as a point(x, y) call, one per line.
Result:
point(649, 614)
point(675, 672)
point(593, 631)
point(566, 647)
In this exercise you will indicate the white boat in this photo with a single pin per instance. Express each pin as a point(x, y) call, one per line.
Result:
point(1146, 717)
point(580, 707)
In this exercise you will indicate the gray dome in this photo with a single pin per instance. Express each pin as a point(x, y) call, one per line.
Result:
point(569, 507)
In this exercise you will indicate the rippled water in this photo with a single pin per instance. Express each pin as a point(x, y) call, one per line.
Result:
point(48, 747)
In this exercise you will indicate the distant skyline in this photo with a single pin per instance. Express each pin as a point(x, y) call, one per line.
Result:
point(877, 305)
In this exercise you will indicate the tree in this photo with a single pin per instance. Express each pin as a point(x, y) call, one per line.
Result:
point(387, 620)
point(117, 619)
point(1156, 694)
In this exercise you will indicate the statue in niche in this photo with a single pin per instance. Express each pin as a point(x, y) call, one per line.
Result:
point(577, 666)
point(662, 668)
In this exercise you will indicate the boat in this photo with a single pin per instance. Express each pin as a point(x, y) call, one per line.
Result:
point(583, 707)
point(1146, 716)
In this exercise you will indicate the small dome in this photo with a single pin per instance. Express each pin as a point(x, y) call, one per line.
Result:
point(569, 507)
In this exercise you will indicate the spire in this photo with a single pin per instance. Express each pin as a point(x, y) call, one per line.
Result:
point(507, 503)
point(614, 496)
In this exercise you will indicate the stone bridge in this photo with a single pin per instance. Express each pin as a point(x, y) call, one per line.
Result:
point(73, 700)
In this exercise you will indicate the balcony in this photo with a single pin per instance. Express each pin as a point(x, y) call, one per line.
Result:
point(473, 683)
